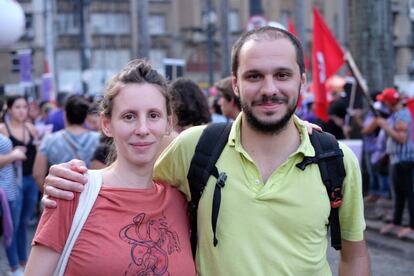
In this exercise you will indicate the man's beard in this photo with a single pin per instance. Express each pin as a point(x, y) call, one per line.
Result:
point(272, 127)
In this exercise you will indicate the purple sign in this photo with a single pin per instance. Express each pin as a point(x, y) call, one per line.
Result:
point(46, 87)
point(25, 63)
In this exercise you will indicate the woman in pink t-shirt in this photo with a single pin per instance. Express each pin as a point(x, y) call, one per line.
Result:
point(136, 226)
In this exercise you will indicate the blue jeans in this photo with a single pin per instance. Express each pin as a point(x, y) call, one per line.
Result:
point(374, 186)
point(29, 201)
point(22, 211)
point(11, 250)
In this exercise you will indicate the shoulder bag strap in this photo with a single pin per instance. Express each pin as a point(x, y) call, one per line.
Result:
point(86, 202)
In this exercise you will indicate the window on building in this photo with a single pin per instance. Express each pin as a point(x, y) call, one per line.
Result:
point(157, 57)
point(29, 30)
point(110, 23)
point(157, 24)
point(110, 59)
point(68, 60)
point(66, 24)
point(234, 21)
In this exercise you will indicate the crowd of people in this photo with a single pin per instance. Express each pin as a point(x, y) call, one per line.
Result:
point(139, 212)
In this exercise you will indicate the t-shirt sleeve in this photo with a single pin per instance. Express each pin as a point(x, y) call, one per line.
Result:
point(173, 164)
point(44, 146)
point(351, 213)
point(54, 225)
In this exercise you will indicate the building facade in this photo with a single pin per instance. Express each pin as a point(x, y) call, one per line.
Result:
point(85, 41)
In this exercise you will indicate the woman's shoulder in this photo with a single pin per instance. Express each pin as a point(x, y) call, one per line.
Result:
point(172, 191)
point(31, 128)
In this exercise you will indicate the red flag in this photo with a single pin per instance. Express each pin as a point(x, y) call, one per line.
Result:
point(327, 58)
point(291, 29)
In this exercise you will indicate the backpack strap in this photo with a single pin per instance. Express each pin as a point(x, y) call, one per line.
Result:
point(329, 158)
point(208, 150)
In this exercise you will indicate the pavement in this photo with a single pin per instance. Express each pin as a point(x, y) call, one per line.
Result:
point(379, 213)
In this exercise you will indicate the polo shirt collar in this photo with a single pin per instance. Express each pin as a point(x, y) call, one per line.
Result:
point(305, 148)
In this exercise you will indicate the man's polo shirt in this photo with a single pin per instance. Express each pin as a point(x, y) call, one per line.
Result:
point(273, 228)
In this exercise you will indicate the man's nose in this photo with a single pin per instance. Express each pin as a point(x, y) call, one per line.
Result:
point(269, 85)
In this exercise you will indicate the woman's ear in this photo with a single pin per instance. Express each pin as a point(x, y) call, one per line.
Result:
point(106, 125)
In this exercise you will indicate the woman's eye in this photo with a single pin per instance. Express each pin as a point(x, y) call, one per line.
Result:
point(128, 117)
point(154, 115)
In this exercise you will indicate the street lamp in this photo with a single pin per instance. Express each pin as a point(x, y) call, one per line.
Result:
point(11, 22)
point(210, 19)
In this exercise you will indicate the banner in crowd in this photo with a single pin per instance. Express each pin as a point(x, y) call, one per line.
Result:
point(327, 58)
point(25, 66)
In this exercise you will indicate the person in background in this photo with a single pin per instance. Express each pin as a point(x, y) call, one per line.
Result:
point(215, 109)
point(41, 122)
point(136, 226)
point(34, 111)
point(189, 104)
point(376, 159)
point(56, 116)
point(337, 106)
point(228, 101)
point(74, 141)
point(8, 183)
point(92, 121)
point(400, 149)
point(23, 135)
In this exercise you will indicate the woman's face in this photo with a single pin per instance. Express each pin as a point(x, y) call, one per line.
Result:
point(138, 123)
point(19, 110)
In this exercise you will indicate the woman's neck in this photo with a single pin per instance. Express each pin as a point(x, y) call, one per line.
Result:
point(16, 123)
point(127, 175)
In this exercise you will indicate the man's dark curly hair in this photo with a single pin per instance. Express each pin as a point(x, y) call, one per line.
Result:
point(189, 103)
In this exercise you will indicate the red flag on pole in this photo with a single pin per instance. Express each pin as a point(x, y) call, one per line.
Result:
point(291, 27)
point(327, 58)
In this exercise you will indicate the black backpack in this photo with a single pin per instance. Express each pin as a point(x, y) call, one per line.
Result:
point(328, 156)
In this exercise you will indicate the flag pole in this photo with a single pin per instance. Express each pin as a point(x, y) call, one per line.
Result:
point(359, 80)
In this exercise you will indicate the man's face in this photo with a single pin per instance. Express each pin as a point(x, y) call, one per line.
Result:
point(268, 83)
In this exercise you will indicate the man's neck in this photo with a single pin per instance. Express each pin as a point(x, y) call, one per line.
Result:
point(75, 129)
point(269, 151)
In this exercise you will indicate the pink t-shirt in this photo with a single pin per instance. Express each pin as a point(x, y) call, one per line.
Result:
point(128, 232)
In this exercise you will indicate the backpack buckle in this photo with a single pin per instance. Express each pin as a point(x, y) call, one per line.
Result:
point(336, 197)
point(221, 180)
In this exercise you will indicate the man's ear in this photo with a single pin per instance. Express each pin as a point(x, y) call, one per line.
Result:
point(303, 79)
point(234, 85)
point(106, 125)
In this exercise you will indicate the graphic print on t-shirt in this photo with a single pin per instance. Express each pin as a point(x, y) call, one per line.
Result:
point(151, 243)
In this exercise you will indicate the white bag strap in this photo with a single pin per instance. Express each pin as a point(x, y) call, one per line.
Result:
point(86, 202)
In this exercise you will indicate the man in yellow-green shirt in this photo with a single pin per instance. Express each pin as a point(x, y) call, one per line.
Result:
point(273, 227)
point(273, 216)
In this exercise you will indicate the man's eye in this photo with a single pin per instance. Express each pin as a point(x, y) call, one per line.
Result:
point(253, 77)
point(283, 75)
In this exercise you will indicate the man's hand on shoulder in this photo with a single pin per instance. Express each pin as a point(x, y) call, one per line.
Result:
point(62, 180)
